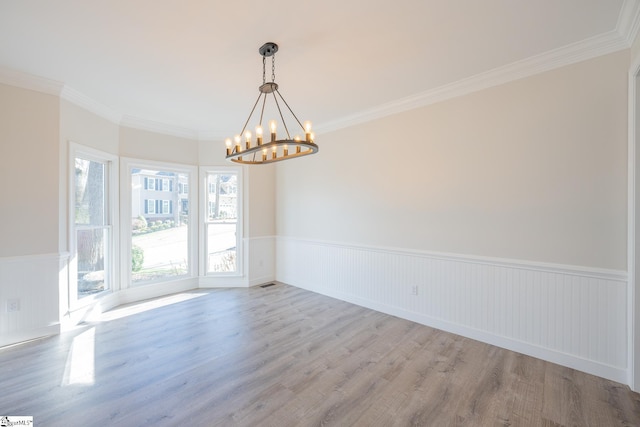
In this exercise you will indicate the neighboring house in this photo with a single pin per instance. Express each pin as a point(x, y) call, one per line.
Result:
point(183, 193)
point(156, 195)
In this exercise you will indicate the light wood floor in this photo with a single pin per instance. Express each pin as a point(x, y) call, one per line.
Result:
point(282, 356)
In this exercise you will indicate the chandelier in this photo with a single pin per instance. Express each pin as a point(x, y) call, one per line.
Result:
point(243, 149)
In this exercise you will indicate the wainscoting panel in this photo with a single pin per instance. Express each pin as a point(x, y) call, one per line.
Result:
point(262, 263)
point(568, 315)
point(29, 296)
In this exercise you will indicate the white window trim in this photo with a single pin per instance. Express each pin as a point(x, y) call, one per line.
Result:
point(111, 221)
point(127, 164)
point(204, 214)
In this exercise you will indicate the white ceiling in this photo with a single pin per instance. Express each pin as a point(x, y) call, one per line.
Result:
point(193, 65)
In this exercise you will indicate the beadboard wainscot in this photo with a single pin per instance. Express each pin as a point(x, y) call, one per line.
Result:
point(572, 316)
point(29, 296)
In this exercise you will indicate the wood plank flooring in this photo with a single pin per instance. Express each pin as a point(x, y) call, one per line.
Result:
point(282, 356)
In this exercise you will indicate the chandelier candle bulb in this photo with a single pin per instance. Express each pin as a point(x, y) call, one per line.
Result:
point(259, 135)
point(237, 141)
point(273, 153)
point(297, 139)
point(286, 150)
point(272, 126)
point(227, 142)
point(247, 135)
point(307, 130)
point(264, 154)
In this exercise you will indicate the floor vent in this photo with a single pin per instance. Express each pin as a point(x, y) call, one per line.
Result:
point(267, 285)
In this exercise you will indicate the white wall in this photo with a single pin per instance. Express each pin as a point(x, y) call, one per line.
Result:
point(633, 255)
point(530, 176)
point(29, 123)
point(29, 258)
point(260, 235)
point(533, 170)
point(142, 144)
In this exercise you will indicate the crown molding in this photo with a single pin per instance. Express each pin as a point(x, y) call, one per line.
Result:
point(89, 104)
point(157, 127)
point(211, 136)
point(28, 81)
point(586, 49)
point(629, 20)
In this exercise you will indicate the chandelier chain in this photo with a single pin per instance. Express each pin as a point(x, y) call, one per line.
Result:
point(264, 68)
point(273, 68)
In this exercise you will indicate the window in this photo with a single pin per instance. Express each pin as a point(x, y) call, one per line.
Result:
point(160, 232)
point(150, 206)
point(92, 240)
point(149, 183)
point(222, 221)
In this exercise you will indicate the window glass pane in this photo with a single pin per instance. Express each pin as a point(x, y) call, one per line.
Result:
point(222, 247)
point(90, 192)
point(92, 248)
point(91, 229)
point(222, 220)
point(160, 229)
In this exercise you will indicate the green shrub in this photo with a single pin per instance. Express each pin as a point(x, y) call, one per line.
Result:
point(137, 258)
point(139, 223)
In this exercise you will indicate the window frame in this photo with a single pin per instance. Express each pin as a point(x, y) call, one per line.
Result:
point(110, 223)
point(126, 168)
point(205, 171)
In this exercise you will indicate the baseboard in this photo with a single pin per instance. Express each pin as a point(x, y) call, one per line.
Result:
point(602, 370)
point(142, 292)
point(570, 315)
point(223, 282)
point(22, 337)
point(261, 280)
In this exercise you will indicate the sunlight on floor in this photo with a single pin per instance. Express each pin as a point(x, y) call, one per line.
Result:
point(80, 367)
point(129, 310)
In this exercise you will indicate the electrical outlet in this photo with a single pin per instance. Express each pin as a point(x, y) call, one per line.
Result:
point(13, 305)
point(414, 290)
